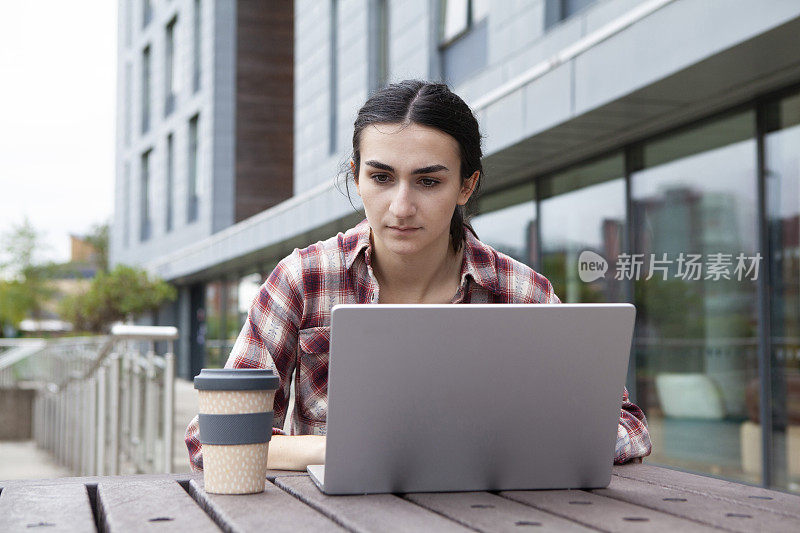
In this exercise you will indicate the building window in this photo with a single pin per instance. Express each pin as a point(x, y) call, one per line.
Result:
point(128, 103)
point(507, 222)
point(333, 88)
point(196, 46)
point(145, 223)
point(557, 10)
point(170, 180)
point(126, 205)
point(463, 38)
point(147, 12)
point(128, 22)
point(379, 45)
point(572, 221)
point(146, 90)
point(693, 212)
point(194, 190)
point(459, 16)
point(171, 77)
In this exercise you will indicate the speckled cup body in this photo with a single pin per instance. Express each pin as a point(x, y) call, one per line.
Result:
point(241, 468)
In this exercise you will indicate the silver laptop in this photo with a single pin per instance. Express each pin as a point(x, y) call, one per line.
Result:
point(427, 398)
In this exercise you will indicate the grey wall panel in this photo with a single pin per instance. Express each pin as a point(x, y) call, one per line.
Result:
point(673, 38)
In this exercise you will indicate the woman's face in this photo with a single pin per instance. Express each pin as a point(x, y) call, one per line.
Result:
point(409, 180)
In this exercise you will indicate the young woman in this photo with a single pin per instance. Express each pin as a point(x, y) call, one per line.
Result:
point(416, 162)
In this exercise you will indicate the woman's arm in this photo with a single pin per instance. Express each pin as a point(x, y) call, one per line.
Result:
point(296, 452)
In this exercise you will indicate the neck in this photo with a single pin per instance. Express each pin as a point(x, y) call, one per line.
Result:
point(415, 278)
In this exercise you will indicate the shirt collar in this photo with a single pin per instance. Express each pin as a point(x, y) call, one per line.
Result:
point(356, 240)
point(479, 263)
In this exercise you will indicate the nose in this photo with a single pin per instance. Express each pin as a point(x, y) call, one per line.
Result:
point(402, 205)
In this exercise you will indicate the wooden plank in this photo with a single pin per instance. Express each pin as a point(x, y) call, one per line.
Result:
point(94, 480)
point(483, 511)
point(605, 514)
point(717, 512)
point(371, 512)
point(759, 497)
point(272, 508)
point(140, 505)
point(272, 474)
point(54, 508)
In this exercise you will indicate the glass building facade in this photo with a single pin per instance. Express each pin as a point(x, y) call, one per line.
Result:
point(700, 229)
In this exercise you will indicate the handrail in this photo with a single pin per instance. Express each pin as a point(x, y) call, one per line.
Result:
point(121, 332)
point(96, 394)
point(19, 351)
point(153, 333)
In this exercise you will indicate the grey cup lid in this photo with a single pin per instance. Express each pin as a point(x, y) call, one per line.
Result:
point(236, 379)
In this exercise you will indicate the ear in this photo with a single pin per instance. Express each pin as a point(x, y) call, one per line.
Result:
point(468, 187)
point(355, 176)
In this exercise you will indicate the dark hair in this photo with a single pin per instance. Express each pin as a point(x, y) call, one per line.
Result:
point(436, 106)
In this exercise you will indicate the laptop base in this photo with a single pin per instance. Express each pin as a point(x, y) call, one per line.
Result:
point(317, 474)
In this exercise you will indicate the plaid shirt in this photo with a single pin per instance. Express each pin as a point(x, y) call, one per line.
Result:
point(288, 325)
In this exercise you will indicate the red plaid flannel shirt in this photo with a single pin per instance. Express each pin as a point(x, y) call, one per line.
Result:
point(288, 326)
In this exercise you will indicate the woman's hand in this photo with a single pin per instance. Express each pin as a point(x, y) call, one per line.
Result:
point(295, 452)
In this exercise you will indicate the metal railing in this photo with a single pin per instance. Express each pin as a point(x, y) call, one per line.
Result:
point(104, 405)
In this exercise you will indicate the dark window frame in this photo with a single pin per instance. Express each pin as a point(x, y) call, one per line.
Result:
point(470, 45)
point(556, 11)
point(147, 68)
point(145, 220)
point(147, 13)
point(170, 65)
point(193, 170)
point(197, 44)
point(170, 183)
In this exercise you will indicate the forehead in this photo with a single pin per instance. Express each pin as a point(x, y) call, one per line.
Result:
point(408, 145)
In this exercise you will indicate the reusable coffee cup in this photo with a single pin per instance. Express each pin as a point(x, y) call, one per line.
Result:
point(235, 416)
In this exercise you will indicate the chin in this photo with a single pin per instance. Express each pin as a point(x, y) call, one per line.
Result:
point(403, 248)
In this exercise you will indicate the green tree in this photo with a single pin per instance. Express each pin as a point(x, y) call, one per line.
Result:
point(115, 295)
point(24, 285)
point(98, 238)
point(15, 302)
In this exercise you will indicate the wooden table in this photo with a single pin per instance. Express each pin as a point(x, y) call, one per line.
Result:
point(639, 498)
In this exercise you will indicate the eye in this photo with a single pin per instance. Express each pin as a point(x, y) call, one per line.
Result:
point(381, 178)
point(429, 182)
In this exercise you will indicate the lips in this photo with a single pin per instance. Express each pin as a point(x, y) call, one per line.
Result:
point(404, 229)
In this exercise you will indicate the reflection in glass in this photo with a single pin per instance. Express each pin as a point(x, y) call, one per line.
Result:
point(197, 57)
point(507, 223)
point(782, 159)
point(193, 199)
point(224, 317)
point(695, 342)
point(145, 223)
point(454, 19)
point(246, 292)
point(583, 209)
point(214, 317)
point(146, 90)
point(230, 324)
point(171, 77)
point(170, 172)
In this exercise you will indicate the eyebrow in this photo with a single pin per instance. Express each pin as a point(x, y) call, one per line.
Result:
point(424, 170)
